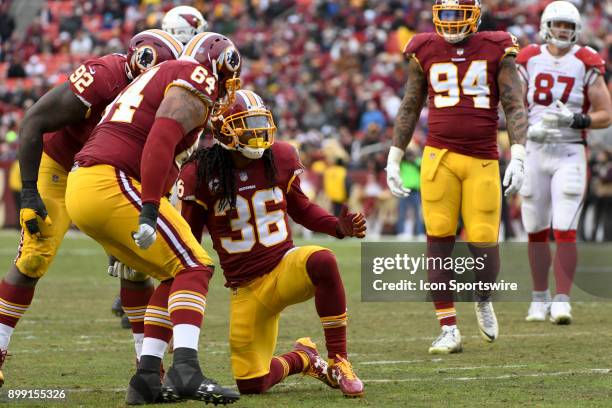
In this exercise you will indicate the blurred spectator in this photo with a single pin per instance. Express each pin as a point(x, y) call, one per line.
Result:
point(81, 45)
point(410, 172)
point(336, 185)
point(372, 115)
point(15, 69)
point(7, 22)
point(35, 67)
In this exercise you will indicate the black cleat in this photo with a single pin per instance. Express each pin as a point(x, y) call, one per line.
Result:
point(116, 308)
point(125, 322)
point(186, 381)
point(144, 388)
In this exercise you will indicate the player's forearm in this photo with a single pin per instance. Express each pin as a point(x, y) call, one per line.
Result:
point(600, 119)
point(308, 214)
point(411, 106)
point(511, 95)
point(30, 149)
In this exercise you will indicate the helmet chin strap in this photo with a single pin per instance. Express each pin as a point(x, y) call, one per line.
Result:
point(563, 44)
point(252, 153)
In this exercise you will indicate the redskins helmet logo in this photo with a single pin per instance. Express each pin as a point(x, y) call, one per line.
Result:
point(145, 57)
point(232, 59)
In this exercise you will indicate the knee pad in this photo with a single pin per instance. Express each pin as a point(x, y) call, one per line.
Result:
point(484, 233)
point(249, 362)
point(488, 193)
point(32, 265)
point(438, 225)
point(574, 180)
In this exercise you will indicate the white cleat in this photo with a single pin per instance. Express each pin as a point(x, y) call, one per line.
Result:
point(561, 313)
point(538, 311)
point(449, 341)
point(487, 322)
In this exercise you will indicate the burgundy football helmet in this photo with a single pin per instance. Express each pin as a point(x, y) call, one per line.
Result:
point(219, 55)
point(149, 48)
point(455, 20)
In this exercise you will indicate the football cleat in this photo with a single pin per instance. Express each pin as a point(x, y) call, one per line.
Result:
point(560, 311)
point(116, 308)
point(342, 376)
point(144, 388)
point(538, 311)
point(449, 341)
point(125, 322)
point(3, 355)
point(186, 381)
point(487, 321)
point(315, 367)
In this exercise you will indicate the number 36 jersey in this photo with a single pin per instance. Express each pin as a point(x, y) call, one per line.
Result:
point(252, 238)
point(120, 137)
point(462, 89)
point(565, 78)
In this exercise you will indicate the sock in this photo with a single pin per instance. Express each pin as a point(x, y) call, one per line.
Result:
point(442, 299)
point(14, 301)
point(157, 323)
point(489, 273)
point(134, 304)
point(330, 300)
point(280, 368)
point(138, 339)
point(187, 304)
point(539, 259)
point(540, 296)
point(566, 258)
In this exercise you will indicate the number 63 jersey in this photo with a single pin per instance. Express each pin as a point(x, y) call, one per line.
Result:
point(119, 138)
point(566, 79)
point(462, 89)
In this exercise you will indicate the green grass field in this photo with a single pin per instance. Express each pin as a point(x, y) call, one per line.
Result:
point(69, 340)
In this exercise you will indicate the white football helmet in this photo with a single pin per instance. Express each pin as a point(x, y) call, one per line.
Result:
point(560, 11)
point(183, 22)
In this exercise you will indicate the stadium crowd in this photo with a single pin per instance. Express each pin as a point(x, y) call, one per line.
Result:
point(332, 73)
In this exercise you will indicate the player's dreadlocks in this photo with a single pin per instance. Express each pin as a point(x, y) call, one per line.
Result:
point(216, 172)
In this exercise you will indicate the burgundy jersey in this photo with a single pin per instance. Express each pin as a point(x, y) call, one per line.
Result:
point(120, 137)
point(252, 238)
point(97, 83)
point(462, 89)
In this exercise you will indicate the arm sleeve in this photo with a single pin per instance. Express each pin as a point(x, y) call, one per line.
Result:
point(306, 213)
point(157, 158)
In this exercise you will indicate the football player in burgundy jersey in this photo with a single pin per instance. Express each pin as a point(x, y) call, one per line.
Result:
point(463, 75)
point(566, 94)
point(116, 195)
point(53, 130)
point(243, 189)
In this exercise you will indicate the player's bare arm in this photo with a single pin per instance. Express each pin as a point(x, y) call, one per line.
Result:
point(184, 107)
point(411, 106)
point(405, 122)
point(601, 105)
point(511, 96)
point(57, 108)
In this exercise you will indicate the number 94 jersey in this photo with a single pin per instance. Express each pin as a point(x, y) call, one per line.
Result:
point(252, 238)
point(566, 79)
point(119, 138)
point(462, 89)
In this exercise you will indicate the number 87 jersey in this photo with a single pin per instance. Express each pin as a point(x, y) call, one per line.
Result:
point(462, 89)
point(566, 79)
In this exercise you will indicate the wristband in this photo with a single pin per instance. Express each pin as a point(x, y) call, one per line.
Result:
point(581, 121)
point(149, 214)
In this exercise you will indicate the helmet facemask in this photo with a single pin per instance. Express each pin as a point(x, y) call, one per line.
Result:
point(456, 22)
point(250, 132)
point(560, 36)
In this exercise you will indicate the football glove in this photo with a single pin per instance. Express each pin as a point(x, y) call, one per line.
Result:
point(394, 181)
point(542, 134)
point(118, 269)
point(515, 172)
point(351, 224)
point(563, 117)
point(32, 207)
point(147, 223)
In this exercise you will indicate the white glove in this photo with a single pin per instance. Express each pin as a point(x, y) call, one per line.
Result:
point(394, 181)
point(556, 119)
point(116, 268)
point(515, 173)
point(542, 134)
point(145, 236)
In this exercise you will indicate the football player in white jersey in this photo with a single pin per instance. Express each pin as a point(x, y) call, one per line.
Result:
point(566, 95)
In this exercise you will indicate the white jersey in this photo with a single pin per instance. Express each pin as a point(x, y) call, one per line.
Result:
point(565, 78)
